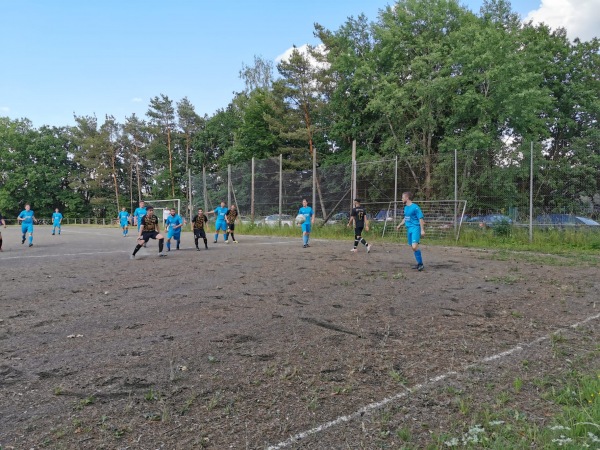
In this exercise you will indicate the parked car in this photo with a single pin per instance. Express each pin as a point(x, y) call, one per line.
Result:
point(492, 220)
point(565, 220)
point(386, 215)
point(339, 218)
point(274, 220)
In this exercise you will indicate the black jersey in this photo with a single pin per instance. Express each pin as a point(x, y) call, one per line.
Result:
point(232, 215)
point(359, 214)
point(199, 221)
point(149, 224)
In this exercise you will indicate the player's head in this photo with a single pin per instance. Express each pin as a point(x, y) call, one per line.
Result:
point(407, 196)
point(232, 207)
point(304, 202)
point(123, 208)
point(150, 210)
point(173, 211)
point(357, 201)
point(27, 206)
point(141, 203)
point(200, 212)
point(222, 204)
point(56, 210)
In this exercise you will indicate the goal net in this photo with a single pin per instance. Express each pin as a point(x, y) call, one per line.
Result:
point(162, 208)
point(443, 218)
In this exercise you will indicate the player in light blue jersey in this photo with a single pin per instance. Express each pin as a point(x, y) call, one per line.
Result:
point(124, 218)
point(26, 218)
point(173, 223)
point(139, 214)
point(221, 224)
point(415, 227)
point(57, 218)
point(309, 220)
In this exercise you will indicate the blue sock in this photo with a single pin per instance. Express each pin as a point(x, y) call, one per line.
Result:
point(216, 237)
point(168, 245)
point(418, 257)
point(30, 239)
point(305, 239)
point(226, 236)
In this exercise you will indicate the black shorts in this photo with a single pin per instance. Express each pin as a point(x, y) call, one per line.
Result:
point(231, 226)
point(358, 231)
point(146, 236)
point(200, 233)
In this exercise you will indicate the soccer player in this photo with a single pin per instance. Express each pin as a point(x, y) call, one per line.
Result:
point(415, 227)
point(4, 225)
point(124, 220)
point(359, 217)
point(150, 229)
point(26, 218)
point(221, 224)
point(309, 217)
point(173, 223)
point(198, 223)
point(231, 218)
point(139, 214)
point(57, 218)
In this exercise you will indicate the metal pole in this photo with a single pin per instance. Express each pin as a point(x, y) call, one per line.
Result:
point(314, 181)
point(455, 190)
point(531, 194)
point(204, 191)
point(395, 187)
point(229, 184)
point(280, 186)
point(353, 187)
point(252, 193)
point(190, 203)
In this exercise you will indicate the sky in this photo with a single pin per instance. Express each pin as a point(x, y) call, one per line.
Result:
point(95, 58)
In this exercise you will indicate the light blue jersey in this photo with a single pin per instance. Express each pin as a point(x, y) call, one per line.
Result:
point(221, 223)
point(56, 219)
point(307, 212)
point(171, 222)
point(412, 216)
point(27, 217)
point(124, 218)
point(139, 214)
point(27, 225)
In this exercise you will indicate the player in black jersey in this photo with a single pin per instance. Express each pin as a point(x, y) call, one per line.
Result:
point(149, 229)
point(198, 223)
point(359, 217)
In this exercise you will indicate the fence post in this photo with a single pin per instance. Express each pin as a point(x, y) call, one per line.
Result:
point(280, 185)
point(204, 191)
point(252, 193)
point(229, 185)
point(531, 194)
point(353, 176)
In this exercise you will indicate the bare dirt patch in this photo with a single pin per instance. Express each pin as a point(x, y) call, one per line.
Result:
point(244, 346)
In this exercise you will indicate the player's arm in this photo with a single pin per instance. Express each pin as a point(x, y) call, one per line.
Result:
point(422, 223)
point(401, 223)
point(351, 221)
point(366, 223)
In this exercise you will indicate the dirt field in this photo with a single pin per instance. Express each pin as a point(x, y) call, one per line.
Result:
point(265, 344)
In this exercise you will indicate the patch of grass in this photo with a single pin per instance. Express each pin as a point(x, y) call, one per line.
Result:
point(398, 377)
point(152, 395)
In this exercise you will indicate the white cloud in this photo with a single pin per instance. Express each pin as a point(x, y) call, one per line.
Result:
point(136, 100)
point(303, 51)
point(579, 17)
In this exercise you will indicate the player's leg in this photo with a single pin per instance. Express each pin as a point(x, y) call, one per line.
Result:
point(23, 232)
point(196, 237)
point(415, 239)
point(53, 228)
point(0, 242)
point(177, 237)
point(140, 243)
point(231, 231)
point(204, 238)
point(59, 229)
point(226, 233)
point(161, 242)
point(30, 231)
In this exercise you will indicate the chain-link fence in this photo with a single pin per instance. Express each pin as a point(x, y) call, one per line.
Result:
point(506, 188)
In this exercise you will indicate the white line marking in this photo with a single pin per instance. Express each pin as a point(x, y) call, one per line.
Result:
point(65, 254)
point(373, 406)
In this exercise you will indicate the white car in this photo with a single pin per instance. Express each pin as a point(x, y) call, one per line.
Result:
point(275, 220)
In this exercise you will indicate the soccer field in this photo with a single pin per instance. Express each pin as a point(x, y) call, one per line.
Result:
point(264, 344)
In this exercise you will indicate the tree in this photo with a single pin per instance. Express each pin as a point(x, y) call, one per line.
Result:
point(162, 122)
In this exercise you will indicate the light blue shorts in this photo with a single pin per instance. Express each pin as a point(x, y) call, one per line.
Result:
point(413, 235)
point(221, 225)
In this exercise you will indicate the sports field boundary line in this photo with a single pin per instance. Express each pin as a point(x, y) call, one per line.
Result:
point(431, 381)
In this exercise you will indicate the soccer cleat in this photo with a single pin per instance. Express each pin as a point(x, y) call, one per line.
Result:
point(23, 241)
point(354, 250)
point(162, 254)
point(198, 248)
point(420, 267)
point(305, 245)
point(215, 241)
point(132, 257)
point(52, 234)
point(227, 241)
point(31, 244)
point(368, 248)
point(235, 242)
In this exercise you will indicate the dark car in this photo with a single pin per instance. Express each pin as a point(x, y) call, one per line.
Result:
point(493, 220)
point(565, 220)
point(339, 218)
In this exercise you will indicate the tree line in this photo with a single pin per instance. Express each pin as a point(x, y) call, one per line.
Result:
point(424, 79)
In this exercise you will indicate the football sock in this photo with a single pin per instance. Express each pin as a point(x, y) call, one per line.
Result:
point(418, 257)
point(216, 237)
point(196, 242)
point(137, 247)
point(169, 245)
point(362, 240)
point(305, 239)
point(226, 236)
point(30, 239)
point(355, 243)
point(205, 243)
point(178, 245)
point(161, 243)
point(0, 242)
point(232, 236)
